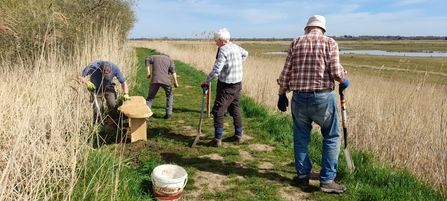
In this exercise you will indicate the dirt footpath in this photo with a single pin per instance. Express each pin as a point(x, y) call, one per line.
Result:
point(213, 182)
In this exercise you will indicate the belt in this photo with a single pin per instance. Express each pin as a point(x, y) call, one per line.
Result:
point(314, 92)
point(230, 83)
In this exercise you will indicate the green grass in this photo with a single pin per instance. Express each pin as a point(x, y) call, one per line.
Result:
point(408, 69)
point(98, 179)
point(167, 143)
point(396, 46)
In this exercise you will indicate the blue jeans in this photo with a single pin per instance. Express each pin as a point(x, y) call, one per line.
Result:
point(320, 108)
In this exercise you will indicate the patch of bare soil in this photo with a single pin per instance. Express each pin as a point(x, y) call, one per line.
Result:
point(265, 166)
point(290, 193)
point(205, 181)
point(260, 147)
point(212, 156)
point(138, 146)
point(245, 155)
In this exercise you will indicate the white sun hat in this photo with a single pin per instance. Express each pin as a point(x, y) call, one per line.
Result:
point(316, 21)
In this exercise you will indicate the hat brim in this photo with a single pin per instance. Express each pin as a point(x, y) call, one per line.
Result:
point(315, 25)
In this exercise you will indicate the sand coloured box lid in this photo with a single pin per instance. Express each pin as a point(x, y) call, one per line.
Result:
point(135, 108)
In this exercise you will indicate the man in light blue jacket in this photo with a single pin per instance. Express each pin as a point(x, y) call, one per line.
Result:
point(101, 83)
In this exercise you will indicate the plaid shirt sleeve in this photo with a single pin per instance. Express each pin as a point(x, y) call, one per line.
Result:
point(338, 73)
point(218, 65)
point(287, 70)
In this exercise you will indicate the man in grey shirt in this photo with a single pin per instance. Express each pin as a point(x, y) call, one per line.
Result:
point(162, 66)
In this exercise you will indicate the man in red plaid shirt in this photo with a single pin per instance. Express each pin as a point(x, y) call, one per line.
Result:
point(311, 67)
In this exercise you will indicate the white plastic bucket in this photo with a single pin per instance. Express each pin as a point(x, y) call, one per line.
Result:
point(168, 181)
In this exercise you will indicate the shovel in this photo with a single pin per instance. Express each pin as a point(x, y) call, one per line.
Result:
point(98, 117)
point(348, 157)
point(205, 91)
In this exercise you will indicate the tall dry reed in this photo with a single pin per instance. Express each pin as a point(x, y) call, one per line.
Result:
point(402, 123)
point(46, 119)
point(399, 122)
point(258, 73)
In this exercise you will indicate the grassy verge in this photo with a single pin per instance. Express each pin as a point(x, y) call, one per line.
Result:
point(265, 174)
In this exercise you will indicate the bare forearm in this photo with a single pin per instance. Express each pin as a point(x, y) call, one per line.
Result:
point(83, 79)
point(125, 87)
point(174, 76)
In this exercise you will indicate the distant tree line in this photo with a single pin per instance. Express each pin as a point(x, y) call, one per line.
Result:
point(339, 38)
point(367, 37)
point(27, 27)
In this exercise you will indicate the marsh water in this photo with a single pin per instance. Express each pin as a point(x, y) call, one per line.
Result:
point(386, 53)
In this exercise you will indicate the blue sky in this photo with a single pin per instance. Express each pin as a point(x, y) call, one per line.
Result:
point(287, 18)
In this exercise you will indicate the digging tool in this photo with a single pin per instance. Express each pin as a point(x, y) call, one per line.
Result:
point(348, 157)
point(205, 92)
point(98, 117)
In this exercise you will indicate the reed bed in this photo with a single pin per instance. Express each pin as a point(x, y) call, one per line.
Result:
point(402, 123)
point(258, 73)
point(46, 119)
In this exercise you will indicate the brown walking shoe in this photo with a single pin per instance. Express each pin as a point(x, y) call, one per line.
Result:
point(215, 143)
point(332, 187)
point(234, 138)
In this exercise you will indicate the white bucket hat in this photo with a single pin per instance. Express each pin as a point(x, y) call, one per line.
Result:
point(316, 21)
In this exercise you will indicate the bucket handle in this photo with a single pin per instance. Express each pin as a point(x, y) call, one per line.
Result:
point(186, 181)
point(184, 184)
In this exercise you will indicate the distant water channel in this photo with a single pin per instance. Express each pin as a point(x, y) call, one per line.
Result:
point(385, 53)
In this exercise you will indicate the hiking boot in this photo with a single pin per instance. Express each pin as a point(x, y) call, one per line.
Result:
point(110, 127)
point(110, 124)
point(303, 183)
point(234, 138)
point(167, 116)
point(215, 143)
point(332, 187)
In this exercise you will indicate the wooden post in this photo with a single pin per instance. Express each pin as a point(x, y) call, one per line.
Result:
point(137, 111)
point(137, 129)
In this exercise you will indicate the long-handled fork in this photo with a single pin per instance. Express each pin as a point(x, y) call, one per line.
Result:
point(205, 91)
point(98, 117)
point(348, 157)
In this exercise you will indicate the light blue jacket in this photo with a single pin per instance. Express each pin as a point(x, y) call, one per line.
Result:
point(97, 78)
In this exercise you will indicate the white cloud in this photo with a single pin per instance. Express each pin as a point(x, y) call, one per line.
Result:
point(410, 2)
point(404, 23)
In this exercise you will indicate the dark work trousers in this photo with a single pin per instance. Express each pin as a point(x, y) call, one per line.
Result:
point(227, 99)
point(153, 89)
point(109, 95)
